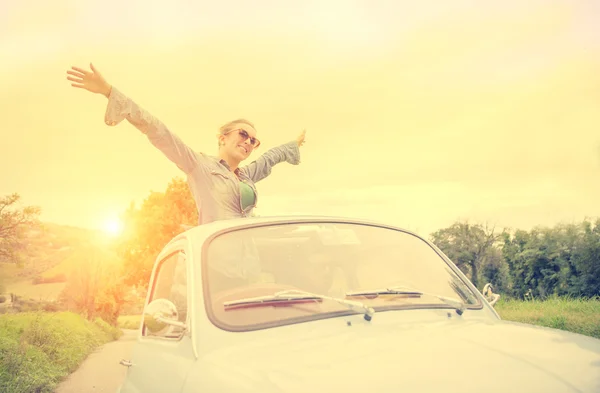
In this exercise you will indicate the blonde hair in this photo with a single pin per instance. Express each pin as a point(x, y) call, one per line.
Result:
point(230, 126)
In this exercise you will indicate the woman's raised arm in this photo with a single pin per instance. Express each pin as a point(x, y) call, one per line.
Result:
point(121, 107)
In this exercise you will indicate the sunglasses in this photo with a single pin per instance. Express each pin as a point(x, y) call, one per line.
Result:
point(244, 134)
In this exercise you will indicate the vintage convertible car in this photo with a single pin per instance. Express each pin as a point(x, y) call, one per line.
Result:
point(321, 304)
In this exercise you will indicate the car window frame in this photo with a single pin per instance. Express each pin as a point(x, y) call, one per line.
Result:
point(167, 253)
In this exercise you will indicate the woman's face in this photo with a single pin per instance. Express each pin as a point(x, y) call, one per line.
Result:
point(240, 142)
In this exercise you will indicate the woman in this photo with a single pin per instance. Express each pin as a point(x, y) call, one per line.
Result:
point(220, 187)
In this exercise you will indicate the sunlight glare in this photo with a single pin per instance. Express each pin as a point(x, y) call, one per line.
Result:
point(113, 226)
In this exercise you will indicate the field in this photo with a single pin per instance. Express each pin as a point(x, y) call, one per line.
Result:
point(26, 289)
point(574, 315)
point(53, 251)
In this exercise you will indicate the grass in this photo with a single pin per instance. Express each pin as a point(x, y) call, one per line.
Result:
point(38, 350)
point(571, 314)
point(9, 271)
point(69, 262)
point(40, 291)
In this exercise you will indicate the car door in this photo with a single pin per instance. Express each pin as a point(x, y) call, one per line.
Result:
point(161, 360)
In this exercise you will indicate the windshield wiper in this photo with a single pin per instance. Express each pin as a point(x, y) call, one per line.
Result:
point(383, 291)
point(459, 306)
point(269, 300)
point(299, 296)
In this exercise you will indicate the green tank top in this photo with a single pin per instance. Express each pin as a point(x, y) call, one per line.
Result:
point(248, 196)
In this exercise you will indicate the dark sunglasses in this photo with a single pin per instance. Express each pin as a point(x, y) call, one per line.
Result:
point(253, 141)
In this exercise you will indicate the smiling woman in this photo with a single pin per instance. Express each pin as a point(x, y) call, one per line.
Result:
point(220, 187)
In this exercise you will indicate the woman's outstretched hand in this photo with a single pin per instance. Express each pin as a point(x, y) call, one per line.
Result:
point(300, 139)
point(91, 81)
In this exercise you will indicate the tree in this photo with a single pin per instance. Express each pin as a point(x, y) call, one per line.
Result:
point(468, 246)
point(495, 270)
point(562, 260)
point(14, 223)
point(513, 253)
point(584, 267)
point(148, 229)
point(94, 287)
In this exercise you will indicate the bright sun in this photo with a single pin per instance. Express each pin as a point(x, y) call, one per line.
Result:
point(113, 226)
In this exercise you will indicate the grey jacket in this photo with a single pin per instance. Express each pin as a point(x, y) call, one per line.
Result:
point(215, 188)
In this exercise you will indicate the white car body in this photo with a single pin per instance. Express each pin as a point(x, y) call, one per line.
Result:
point(420, 349)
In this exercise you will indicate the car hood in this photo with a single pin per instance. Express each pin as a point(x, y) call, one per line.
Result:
point(457, 354)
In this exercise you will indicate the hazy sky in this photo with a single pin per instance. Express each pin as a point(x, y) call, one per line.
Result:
point(417, 113)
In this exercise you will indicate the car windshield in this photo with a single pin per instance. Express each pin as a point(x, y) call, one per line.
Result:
point(337, 260)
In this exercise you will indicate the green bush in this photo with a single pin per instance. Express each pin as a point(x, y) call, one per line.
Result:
point(38, 350)
point(108, 329)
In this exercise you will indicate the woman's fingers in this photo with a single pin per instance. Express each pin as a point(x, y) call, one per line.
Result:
point(84, 79)
point(81, 70)
point(78, 80)
point(94, 70)
point(77, 74)
point(300, 138)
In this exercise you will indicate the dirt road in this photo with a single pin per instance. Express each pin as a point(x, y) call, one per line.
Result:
point(101, 371)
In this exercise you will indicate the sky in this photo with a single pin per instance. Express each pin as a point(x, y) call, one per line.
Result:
point(417, 115)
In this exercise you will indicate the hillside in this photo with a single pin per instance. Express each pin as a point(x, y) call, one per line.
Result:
point(51, 252)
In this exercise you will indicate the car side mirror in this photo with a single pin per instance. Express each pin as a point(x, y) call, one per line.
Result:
point(160, 315)
point(489, 295)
